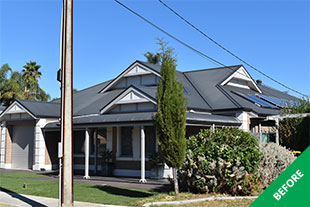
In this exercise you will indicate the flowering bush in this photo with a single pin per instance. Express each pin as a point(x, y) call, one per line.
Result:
point(275, 160)
point(220, 161)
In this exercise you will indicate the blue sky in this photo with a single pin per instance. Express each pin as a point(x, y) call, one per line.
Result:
point(271, 35)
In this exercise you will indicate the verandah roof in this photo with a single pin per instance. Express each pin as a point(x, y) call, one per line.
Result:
point(121, 118)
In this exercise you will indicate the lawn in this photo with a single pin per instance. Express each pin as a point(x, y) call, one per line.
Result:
point(14, 182)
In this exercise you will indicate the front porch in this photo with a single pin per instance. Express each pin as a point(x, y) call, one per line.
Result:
point(131, 147)
point(131, 137)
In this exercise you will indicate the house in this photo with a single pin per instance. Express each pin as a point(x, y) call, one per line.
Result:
point(119, 114)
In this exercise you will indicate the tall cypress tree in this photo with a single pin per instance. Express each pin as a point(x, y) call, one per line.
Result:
point(171, 114)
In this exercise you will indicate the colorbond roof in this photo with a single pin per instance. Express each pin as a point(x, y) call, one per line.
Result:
point(110, 119)
point(202, 88)
point(41, 109)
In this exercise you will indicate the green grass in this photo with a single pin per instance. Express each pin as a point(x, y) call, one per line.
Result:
point(82, 192)
point(105, 194)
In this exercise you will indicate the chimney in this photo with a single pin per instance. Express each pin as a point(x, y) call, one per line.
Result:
point(259, 82)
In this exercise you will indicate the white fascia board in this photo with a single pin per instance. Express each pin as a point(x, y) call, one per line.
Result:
point(15, 103)
point(238, 85)
point(125, 73)
point(247, 77)
point(122, 95)
point(287, 116)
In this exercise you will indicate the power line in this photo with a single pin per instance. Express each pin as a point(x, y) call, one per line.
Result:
point(195, 50)
point(170, 35)
point(231, 53)
point(180, 41)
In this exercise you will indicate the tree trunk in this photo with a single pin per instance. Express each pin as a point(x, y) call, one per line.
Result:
point(175, 181)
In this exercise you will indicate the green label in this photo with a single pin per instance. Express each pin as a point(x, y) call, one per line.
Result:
point(291, 188)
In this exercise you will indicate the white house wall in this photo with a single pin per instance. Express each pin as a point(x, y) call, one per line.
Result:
point(2, 144)
point(39, 146)
point(243, 117)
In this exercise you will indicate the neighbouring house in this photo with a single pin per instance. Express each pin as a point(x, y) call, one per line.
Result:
point(118, 114)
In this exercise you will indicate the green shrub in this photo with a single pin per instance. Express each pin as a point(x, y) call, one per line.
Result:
point(220, 161)
point(275, 160)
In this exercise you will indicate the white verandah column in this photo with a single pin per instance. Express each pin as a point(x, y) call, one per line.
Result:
point(260, 133)
point(142, 180)
point(213, 127)
point(86, 176)
point(277, 131)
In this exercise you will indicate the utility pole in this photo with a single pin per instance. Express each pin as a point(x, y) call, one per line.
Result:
point(67, 105)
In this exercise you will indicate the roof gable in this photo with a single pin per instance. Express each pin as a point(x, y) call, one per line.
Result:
point(242, 79)
point(131, 95)
point(135, 69)
point(16, 108)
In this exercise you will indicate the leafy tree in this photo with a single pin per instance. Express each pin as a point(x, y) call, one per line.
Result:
point(295, 132)
point(171, 114)
point(24, 85)
point(11, 88)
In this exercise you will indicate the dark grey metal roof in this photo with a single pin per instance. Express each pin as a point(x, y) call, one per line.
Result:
point(154, 67)
point(41, 109)
point(201, 87)
point(142, 117)
point(206, 81)
point(245, 104)
point(108, 119)
point(269, 91)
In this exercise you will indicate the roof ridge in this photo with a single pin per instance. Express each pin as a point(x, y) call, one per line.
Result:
point(267, 86)
point(207, 69)
point(34, 101)
point(198, 91)
point(92, 86)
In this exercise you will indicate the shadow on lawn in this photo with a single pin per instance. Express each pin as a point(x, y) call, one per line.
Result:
point(22, 198)
point(123, 192)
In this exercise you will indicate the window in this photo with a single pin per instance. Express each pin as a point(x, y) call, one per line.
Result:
point(126, 142)
point(78, 142)
point(150, 140)
point(102, 140)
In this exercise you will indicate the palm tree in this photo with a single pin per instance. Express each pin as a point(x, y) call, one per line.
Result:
point(153, 58)
point(31, 74)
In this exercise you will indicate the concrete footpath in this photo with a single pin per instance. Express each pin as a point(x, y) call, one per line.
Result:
point(21, 200)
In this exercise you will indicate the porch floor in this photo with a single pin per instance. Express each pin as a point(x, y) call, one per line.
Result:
point(125, 182)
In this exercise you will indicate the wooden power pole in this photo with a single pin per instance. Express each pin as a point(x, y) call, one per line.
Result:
point(67, 105)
